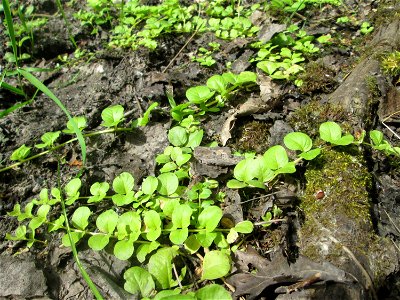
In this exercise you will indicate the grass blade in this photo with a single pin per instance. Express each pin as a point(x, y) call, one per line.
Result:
point(9, 110)
point(11, 88)
point(10, 28)
point(85, 275)
point(39, 85)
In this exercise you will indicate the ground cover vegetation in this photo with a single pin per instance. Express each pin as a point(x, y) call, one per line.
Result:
point(172, 222)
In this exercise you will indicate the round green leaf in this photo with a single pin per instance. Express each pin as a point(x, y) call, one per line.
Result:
point(149, 185)
point(213, 291)
point(195, 139)
point(123, 183)
point(235, 184)
point(216, 264)
point(21, 153)
point(107, 221)
point(137, 280)
point(199, 94)
point(99, 188)
point(177, 136)
point(244, 227)
point(167, 184)
point(181, 216)
point(79, 121)
point(217, 83)
point(209, 218)
point(276, 157)
point(330, 131)
point(144, 249)
point(246, 76)
point(232, 236)
point(206, 238)
point(309, 155)
point(344, 140)
point(153, 225)
point(192, 244)
point(112, 115)
point(376, 137)
point(76, 236)
point(98, 242)
point(160, 266)
point(80, 217)
point(268, 67)
point(298, 141)
point(123, 250)
point(246, 170)
point(129, 223)
point(73, 187)
point(179, 236)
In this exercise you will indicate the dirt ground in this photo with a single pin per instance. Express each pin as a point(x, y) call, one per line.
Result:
point(339, 75)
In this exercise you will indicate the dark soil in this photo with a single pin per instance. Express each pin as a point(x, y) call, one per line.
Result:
point(135, 79)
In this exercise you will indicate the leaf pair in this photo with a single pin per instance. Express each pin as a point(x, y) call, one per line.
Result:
point(332, 133)
point(259, 170)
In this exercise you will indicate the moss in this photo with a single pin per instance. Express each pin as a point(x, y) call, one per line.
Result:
point(345, 180)
point(310, 116)
point(252, 136)
point(343, 213)
point(317, 78)
point(387, 12)
point(391, 63)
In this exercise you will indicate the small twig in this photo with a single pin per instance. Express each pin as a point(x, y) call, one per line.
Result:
point(386, 119)
point(199, 256)
point(262, 196)
point(177, 276)
point(302, 284)
point(230, 287)
point(391, 221)
point(270, 222)
point(390, 129)
point(395, 245)
point(179, 52)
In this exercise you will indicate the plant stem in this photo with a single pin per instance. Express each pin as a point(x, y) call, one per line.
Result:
point(60, 8)
point(85, 275)
point(90, 134)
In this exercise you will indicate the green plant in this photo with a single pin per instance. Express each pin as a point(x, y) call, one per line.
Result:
point(152, 214)
point(260, 171)
point(293, 6)
point(112, 116)
point(281, 57)
point(141, 25)
point(270, 217)
point(212, 96)
point(204, 56)
point(343, 20)
point(366, 28)
point(23, 31)
point(391, 63)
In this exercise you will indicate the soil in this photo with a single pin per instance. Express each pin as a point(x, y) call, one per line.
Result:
point(350, 234)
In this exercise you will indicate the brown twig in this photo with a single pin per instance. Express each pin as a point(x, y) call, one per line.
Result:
point(177, 276)
point(179, 52)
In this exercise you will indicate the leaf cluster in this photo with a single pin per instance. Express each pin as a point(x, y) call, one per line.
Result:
point(212, 96)
point(280, 58)
point(259, 171)
point(112, 117)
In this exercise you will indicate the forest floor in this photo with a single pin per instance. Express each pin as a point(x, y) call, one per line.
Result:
point(330, 230)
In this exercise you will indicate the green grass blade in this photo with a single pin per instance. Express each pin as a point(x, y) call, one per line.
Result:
point(39, 85)
point(9, 110)
point(10, 27)
point(85, 275)
point(11, 88)
point(71, 38)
